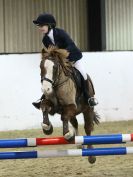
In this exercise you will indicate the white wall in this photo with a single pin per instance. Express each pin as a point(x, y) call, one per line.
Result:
point(20, 86)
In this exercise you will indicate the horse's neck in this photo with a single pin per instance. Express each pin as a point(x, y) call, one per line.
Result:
point(63, 76)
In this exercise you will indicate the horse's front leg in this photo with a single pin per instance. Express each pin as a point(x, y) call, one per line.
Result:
point(74, 123)
point(68, 114)
point(46, 124)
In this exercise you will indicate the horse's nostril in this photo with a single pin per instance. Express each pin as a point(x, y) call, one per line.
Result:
point(48, 89)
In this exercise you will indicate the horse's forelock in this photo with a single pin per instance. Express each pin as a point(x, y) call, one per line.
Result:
point(59, 55)
point(54, 52)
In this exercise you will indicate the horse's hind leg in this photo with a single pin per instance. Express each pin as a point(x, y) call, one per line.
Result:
point(89, 115)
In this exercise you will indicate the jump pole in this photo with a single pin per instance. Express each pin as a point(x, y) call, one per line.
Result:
point(94, 139)
point(66, 153)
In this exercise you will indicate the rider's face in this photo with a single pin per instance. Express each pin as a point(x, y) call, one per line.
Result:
point(43, 29)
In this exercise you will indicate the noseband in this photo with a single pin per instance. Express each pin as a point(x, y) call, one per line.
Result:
point(54, 83)
point(46, 79)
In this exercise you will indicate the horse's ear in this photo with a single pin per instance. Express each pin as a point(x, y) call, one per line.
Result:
point(44, 51)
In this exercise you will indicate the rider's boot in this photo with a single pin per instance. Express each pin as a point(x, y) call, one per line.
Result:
point(37, 104)
point(91, 100)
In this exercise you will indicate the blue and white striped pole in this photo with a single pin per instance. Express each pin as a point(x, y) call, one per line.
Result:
point(67, 153)
point(94, 139)
point(104, 139)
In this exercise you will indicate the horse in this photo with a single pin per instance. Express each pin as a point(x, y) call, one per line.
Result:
point(63, 96)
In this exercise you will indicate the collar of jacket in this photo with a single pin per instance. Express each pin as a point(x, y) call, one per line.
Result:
point(55, 36)
point(51, 36)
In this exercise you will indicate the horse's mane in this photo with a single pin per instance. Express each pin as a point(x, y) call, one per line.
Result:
point(60, 55)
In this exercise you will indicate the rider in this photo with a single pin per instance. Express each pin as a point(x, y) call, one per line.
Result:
point(55, 36)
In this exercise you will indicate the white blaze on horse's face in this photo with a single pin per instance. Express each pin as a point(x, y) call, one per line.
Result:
point(46, 85)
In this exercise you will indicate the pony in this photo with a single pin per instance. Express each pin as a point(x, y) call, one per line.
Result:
point(63, 95)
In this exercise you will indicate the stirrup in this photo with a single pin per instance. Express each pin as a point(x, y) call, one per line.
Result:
point(92, 101)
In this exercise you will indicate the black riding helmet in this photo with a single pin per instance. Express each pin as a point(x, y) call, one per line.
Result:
point(45, 19)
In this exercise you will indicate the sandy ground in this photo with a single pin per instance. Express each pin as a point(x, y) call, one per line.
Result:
point(105, 166)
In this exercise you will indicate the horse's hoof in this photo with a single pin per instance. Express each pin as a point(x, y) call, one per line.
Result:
point(92, 159)
point(48, 132)
point(69, 136)
point(47, 129)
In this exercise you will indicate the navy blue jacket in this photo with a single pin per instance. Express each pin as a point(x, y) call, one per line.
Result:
point(63, 41)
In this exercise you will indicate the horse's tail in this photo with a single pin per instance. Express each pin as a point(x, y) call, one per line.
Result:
point(96, 118)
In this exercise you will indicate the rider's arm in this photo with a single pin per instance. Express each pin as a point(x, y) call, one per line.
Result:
point(70, 45)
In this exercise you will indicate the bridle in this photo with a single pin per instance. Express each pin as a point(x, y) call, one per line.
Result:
point(46, 79)
point(55, 83)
